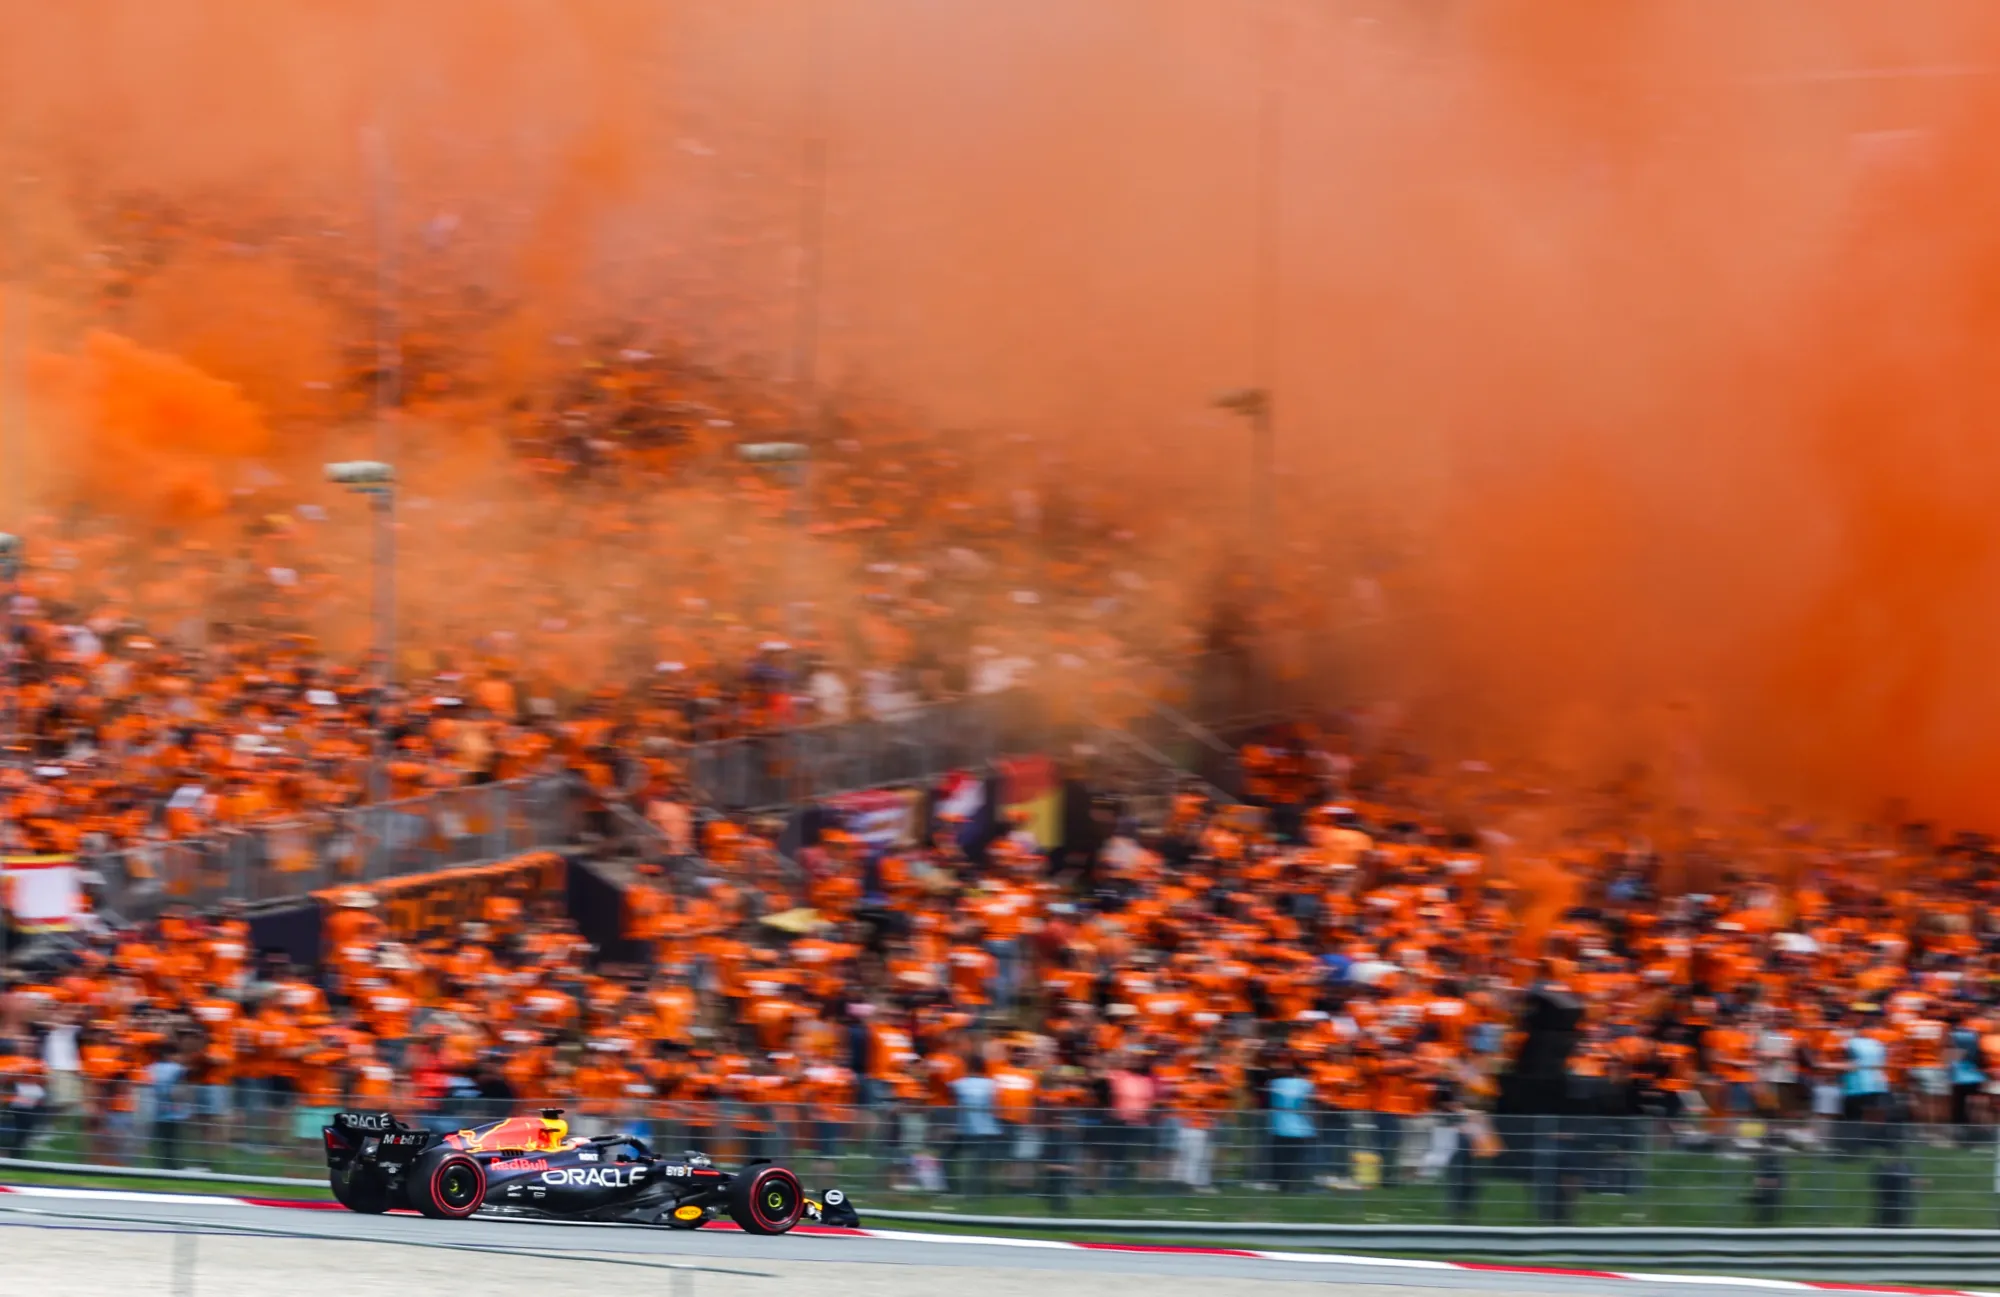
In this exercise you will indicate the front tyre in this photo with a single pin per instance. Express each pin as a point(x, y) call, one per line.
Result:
point(446, 1184)
point(766, 1201)
point(359, 1190)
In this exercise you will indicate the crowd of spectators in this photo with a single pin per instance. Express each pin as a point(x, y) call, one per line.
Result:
point(1336, 960)
point(196, 660)
point(1337, 1002)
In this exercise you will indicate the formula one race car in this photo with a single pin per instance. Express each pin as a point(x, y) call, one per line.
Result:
point(532, 1166)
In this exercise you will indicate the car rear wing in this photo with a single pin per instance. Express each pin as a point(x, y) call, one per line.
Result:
point(376, 1136)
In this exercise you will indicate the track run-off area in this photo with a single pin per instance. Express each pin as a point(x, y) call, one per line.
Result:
point(132, 1244)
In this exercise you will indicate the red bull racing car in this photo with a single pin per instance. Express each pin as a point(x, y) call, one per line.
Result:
point(532, 1166)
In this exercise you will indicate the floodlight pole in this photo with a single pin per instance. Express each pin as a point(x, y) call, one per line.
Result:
point(10, 577)
point(1255, 403)
point(1264, 341)
point(383, 505)
point(806, 312)
point(10, 567)
point(388, 393)
point(795, 456)
point(13, 441)
point(377, 481)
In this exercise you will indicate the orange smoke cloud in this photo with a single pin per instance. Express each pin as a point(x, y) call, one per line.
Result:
point(143, 431)
point(1546, 892)
point(1751, 479)
point(1634, 352)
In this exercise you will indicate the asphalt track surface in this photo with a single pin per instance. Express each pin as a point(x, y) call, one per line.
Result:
point(99, 1223)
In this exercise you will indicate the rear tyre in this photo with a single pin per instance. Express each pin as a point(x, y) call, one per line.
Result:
point(360, 1190)
point(766, 1201)
point(446, 1184)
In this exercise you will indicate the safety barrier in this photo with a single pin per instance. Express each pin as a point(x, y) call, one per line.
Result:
point(1357, 1168)
point(1931, 1256)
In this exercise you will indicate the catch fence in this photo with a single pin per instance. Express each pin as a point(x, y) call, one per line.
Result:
point(779, 768)
point(1084, 1163)
point(766, 771)
point(287, 860)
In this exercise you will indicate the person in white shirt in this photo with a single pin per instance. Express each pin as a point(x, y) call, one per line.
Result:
point(62, 1065)
point(1777, 1061)
point(830, 695)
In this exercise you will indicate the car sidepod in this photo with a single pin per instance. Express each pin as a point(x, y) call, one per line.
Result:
point(578, 1182)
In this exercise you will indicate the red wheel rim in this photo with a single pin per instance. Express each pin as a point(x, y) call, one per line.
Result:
point(457, 1186)
point(776, 1199)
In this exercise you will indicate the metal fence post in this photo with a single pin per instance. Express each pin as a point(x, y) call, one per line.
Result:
point(239, 871)
point(492, 815)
